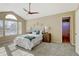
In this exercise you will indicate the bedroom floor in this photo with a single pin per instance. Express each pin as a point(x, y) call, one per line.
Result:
point(43, 49)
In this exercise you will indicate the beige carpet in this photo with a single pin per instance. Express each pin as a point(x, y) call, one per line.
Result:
point(21, 53)
point(43, 49)
point(3, 51)
point(54, 49)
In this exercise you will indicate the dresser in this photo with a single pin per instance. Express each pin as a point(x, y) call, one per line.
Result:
point(46, 37)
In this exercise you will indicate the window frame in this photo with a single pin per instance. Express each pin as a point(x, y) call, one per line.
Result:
point(5, 27)
point(2, 28)
point(11, 15)
point(17, 21)
point(10, 19)
point(19, 27)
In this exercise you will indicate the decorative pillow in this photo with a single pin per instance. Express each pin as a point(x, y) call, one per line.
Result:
point(30, 37)
point(34, 33)
point(38, 32)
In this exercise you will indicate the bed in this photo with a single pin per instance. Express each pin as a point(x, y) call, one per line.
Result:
point(26, 43)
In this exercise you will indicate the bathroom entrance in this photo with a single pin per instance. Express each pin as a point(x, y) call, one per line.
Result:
point(66, 29)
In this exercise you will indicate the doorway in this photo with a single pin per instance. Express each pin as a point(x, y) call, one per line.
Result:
point(66, 29)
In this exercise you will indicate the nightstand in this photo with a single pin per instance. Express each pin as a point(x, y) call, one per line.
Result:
point(46, 37)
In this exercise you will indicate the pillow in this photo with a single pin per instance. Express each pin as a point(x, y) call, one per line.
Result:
point(34, 33)
point(38, 32)
point(30, 37)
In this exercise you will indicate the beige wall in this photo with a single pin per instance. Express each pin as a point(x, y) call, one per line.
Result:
point(11, 37)
point(55, 24)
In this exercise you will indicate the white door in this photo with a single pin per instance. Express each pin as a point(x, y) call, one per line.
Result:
point(77, 31)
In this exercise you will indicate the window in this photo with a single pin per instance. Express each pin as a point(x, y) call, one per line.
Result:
point(10, 27)
point(10, 16)
point(1, 28)
point(20, 27)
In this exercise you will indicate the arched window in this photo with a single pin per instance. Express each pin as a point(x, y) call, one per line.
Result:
point(10, 16)
point(10, 25)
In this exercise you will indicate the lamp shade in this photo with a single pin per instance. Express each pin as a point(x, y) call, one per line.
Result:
point(46, 29)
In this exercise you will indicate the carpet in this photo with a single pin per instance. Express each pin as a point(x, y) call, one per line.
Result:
point(54, 49)
point(12, 47)
point(43, 49)
point(21, 53)
point(3, 51)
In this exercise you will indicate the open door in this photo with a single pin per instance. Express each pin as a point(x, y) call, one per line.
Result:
point(66, 29)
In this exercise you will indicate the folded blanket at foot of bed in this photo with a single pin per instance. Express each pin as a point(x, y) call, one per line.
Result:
point(30, 37)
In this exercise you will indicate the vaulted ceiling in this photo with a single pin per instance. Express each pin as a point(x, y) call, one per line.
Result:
point(44, 9)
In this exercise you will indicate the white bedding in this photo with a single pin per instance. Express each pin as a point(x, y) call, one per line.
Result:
point(26, 43)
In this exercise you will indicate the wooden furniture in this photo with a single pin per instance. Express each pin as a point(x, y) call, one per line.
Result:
point(46, 37)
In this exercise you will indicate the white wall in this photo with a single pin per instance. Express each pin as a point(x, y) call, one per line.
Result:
point(77, 31)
